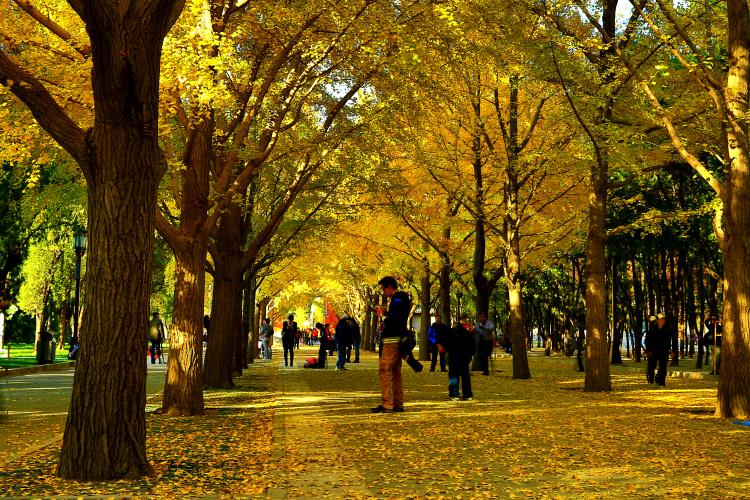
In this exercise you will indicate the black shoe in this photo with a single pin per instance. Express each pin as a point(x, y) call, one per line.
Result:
point(380, 409)
point(286, 364)
point(432, 369)
point(398, 409)
point(291, 364)
point(486, 374)
point(153, 362)
point(355, 361)
point(443, 370)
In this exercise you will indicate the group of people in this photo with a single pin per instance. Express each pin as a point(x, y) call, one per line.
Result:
point(454, 347)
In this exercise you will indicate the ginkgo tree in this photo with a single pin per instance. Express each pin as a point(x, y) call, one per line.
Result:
point(59, 64)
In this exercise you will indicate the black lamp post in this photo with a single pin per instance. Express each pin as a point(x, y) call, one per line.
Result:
point(79, 246)
point(459, 296)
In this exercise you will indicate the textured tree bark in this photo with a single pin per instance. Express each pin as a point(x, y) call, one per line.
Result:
point(425, 299)
point(183, 387)
point(105, 432)
point(225, 307)
point(733, 399)
point(597, 350)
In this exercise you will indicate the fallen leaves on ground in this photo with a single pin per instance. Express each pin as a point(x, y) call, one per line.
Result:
point(220, 454)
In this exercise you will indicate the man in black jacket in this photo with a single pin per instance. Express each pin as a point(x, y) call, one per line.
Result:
point(658, 342)
point(288, 336)
point(391, 388)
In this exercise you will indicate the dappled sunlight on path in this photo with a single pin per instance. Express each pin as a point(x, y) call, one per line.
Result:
point(289, 432)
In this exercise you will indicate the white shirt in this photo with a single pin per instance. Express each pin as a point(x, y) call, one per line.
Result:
point(486, 329)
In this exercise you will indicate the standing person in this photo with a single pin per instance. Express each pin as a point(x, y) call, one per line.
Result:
point(432, 335)
point(343, 341)
point(485, 332)
point(288, 335)
point(315, 333)
point(578, 339)
point(266, 335)
point(322, 350)
point(356, 335)
point(658, 342)
point(389, 370)
point(460, 345)
point(156, 336)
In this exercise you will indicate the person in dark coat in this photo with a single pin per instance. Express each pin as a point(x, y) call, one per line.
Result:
point(356, 335)
point(396, 329)
point(460, 345)
point(288, 337)
point(156, 336)
point(343, 340)
point(323, 349)
point(658, 342)
point(432, 335)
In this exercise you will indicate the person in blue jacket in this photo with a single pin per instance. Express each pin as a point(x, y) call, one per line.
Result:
point(432, 336)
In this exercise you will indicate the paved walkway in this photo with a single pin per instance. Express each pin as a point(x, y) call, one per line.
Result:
point(541, 438)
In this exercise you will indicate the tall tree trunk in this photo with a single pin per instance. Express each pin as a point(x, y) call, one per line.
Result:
point(249, 340)
point(183, 387)
point(105, 432)
point(225, 306)
point(639, 307)
point(425, 299)
point(597, 349)
point(734, 376)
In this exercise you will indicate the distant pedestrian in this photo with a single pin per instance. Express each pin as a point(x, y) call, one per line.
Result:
point(460, 345)
point(206, 325)
point(356, 335)
point(432, 335)
point(156, 335)
point(485, 332)
point(578, 339)
point(288, 336)
point(396, 327)
point(322, 350)
point(658, 342)
point(266, 335)
point(343, 340)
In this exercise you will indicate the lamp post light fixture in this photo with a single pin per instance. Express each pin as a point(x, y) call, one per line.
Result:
point(79, 246)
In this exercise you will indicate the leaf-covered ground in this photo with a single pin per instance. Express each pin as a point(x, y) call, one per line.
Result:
point(224, 452)
point(538, 438)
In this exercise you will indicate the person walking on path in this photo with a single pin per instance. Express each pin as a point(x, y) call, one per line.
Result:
point(485, 332)
point(288, 336)
point(156, 336)
point(460, 345)
point(432, 335)
point(389, 369)
point(342, 337)
point(658, 342)
point(266, 334)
